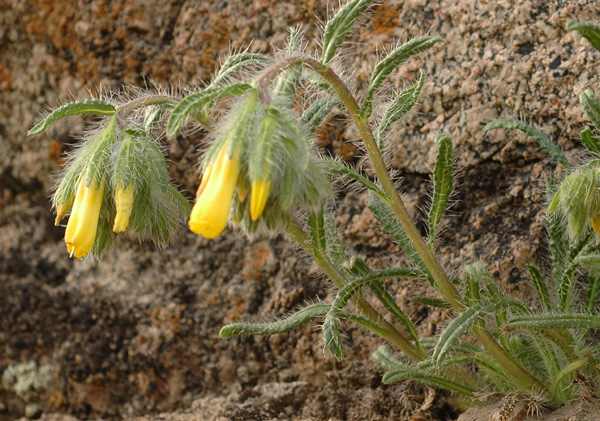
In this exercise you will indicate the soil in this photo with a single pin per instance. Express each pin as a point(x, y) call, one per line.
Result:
point(135, 335)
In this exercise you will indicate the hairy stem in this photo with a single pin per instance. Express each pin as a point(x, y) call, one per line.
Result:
point(144, 101)
point(397, 206)
point(388, 331)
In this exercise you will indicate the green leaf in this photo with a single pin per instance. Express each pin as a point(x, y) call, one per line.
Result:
point(568, 372)
point(90, 106)
point(443, 184)
point(200, 99)
point(334, 167)
point(591, 142)
point(234, 64)
point(539, 281)
point(401, 105)
point(390, 62)
point(588, 30)
point(293, 321)
point(317, 111)
point(337, 28)
point(427, 378)
point(153, 115)
point(556, 321)
point(331, 327)
point(461, 324)
point(334, 249)
point(591, 106)
point(433, 302)
point(156, 164)
point(541, 138)
point(567, 278)
point(398, 371)
point(390, 223)
point(592, 293)
point(317, 232)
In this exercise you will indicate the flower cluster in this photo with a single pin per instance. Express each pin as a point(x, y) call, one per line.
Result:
point(117, 182)
point(262, 165)
point(578, 198)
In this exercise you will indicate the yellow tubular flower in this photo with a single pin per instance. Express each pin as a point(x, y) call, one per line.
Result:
point(210, 213)
point(124, 203)
point(258, 197)
point(595, 220)
point(83, 222)
point(63, 208)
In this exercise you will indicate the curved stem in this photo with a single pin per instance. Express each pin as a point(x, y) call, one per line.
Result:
point(144, 101)
point(396, 204)
point(388, 331)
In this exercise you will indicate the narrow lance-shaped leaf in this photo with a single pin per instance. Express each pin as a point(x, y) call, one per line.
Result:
point(234, 64)
point(541, 287)
point(556, 321)
point(90, 106)
point(592, 293)
point(337, 28)
point(198, 100)
point(567, 278)
point(390, 223)
point(591, 106)
point(557, 232)
point(317, 232)
point(591, 142)
point(427, 378)
point(330, 326)
point(541, 138)
point(433, 302)
point(443, 184)
point(390, 62)
point(280, 326)
point(335, 250)
point(465, 321)
point(588, 30)
point(317, 111)
point(334, 167)
point(401, 105)
point(567, 373)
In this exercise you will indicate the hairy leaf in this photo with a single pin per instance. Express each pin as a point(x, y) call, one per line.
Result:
point(317, 111)
point(556, 321)
point(90, 106)
point(200, 99)
point(541, 138)
point(293, 321)
point(588, 30)
point(443, 184)
point(591, 106)
point(591, 142)
point(236, 63)
point(337, 28)
point(390, 62)
point(401, 105)
point(540, 285)
point(334, 167)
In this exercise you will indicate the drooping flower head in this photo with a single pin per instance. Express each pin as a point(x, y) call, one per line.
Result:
point(261, 165)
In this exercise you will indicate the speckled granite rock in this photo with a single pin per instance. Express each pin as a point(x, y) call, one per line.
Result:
point(136, 334)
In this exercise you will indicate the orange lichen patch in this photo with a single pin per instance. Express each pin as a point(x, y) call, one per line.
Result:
point(237, 310)
point(385, 19)
point(6, 78)
point(254, 268)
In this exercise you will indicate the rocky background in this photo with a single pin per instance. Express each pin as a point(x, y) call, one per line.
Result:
point(136, 334)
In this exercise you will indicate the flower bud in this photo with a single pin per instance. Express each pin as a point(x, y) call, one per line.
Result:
point(211, 211)
point(80, 234)
point(124, 198)
point(258, 198)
